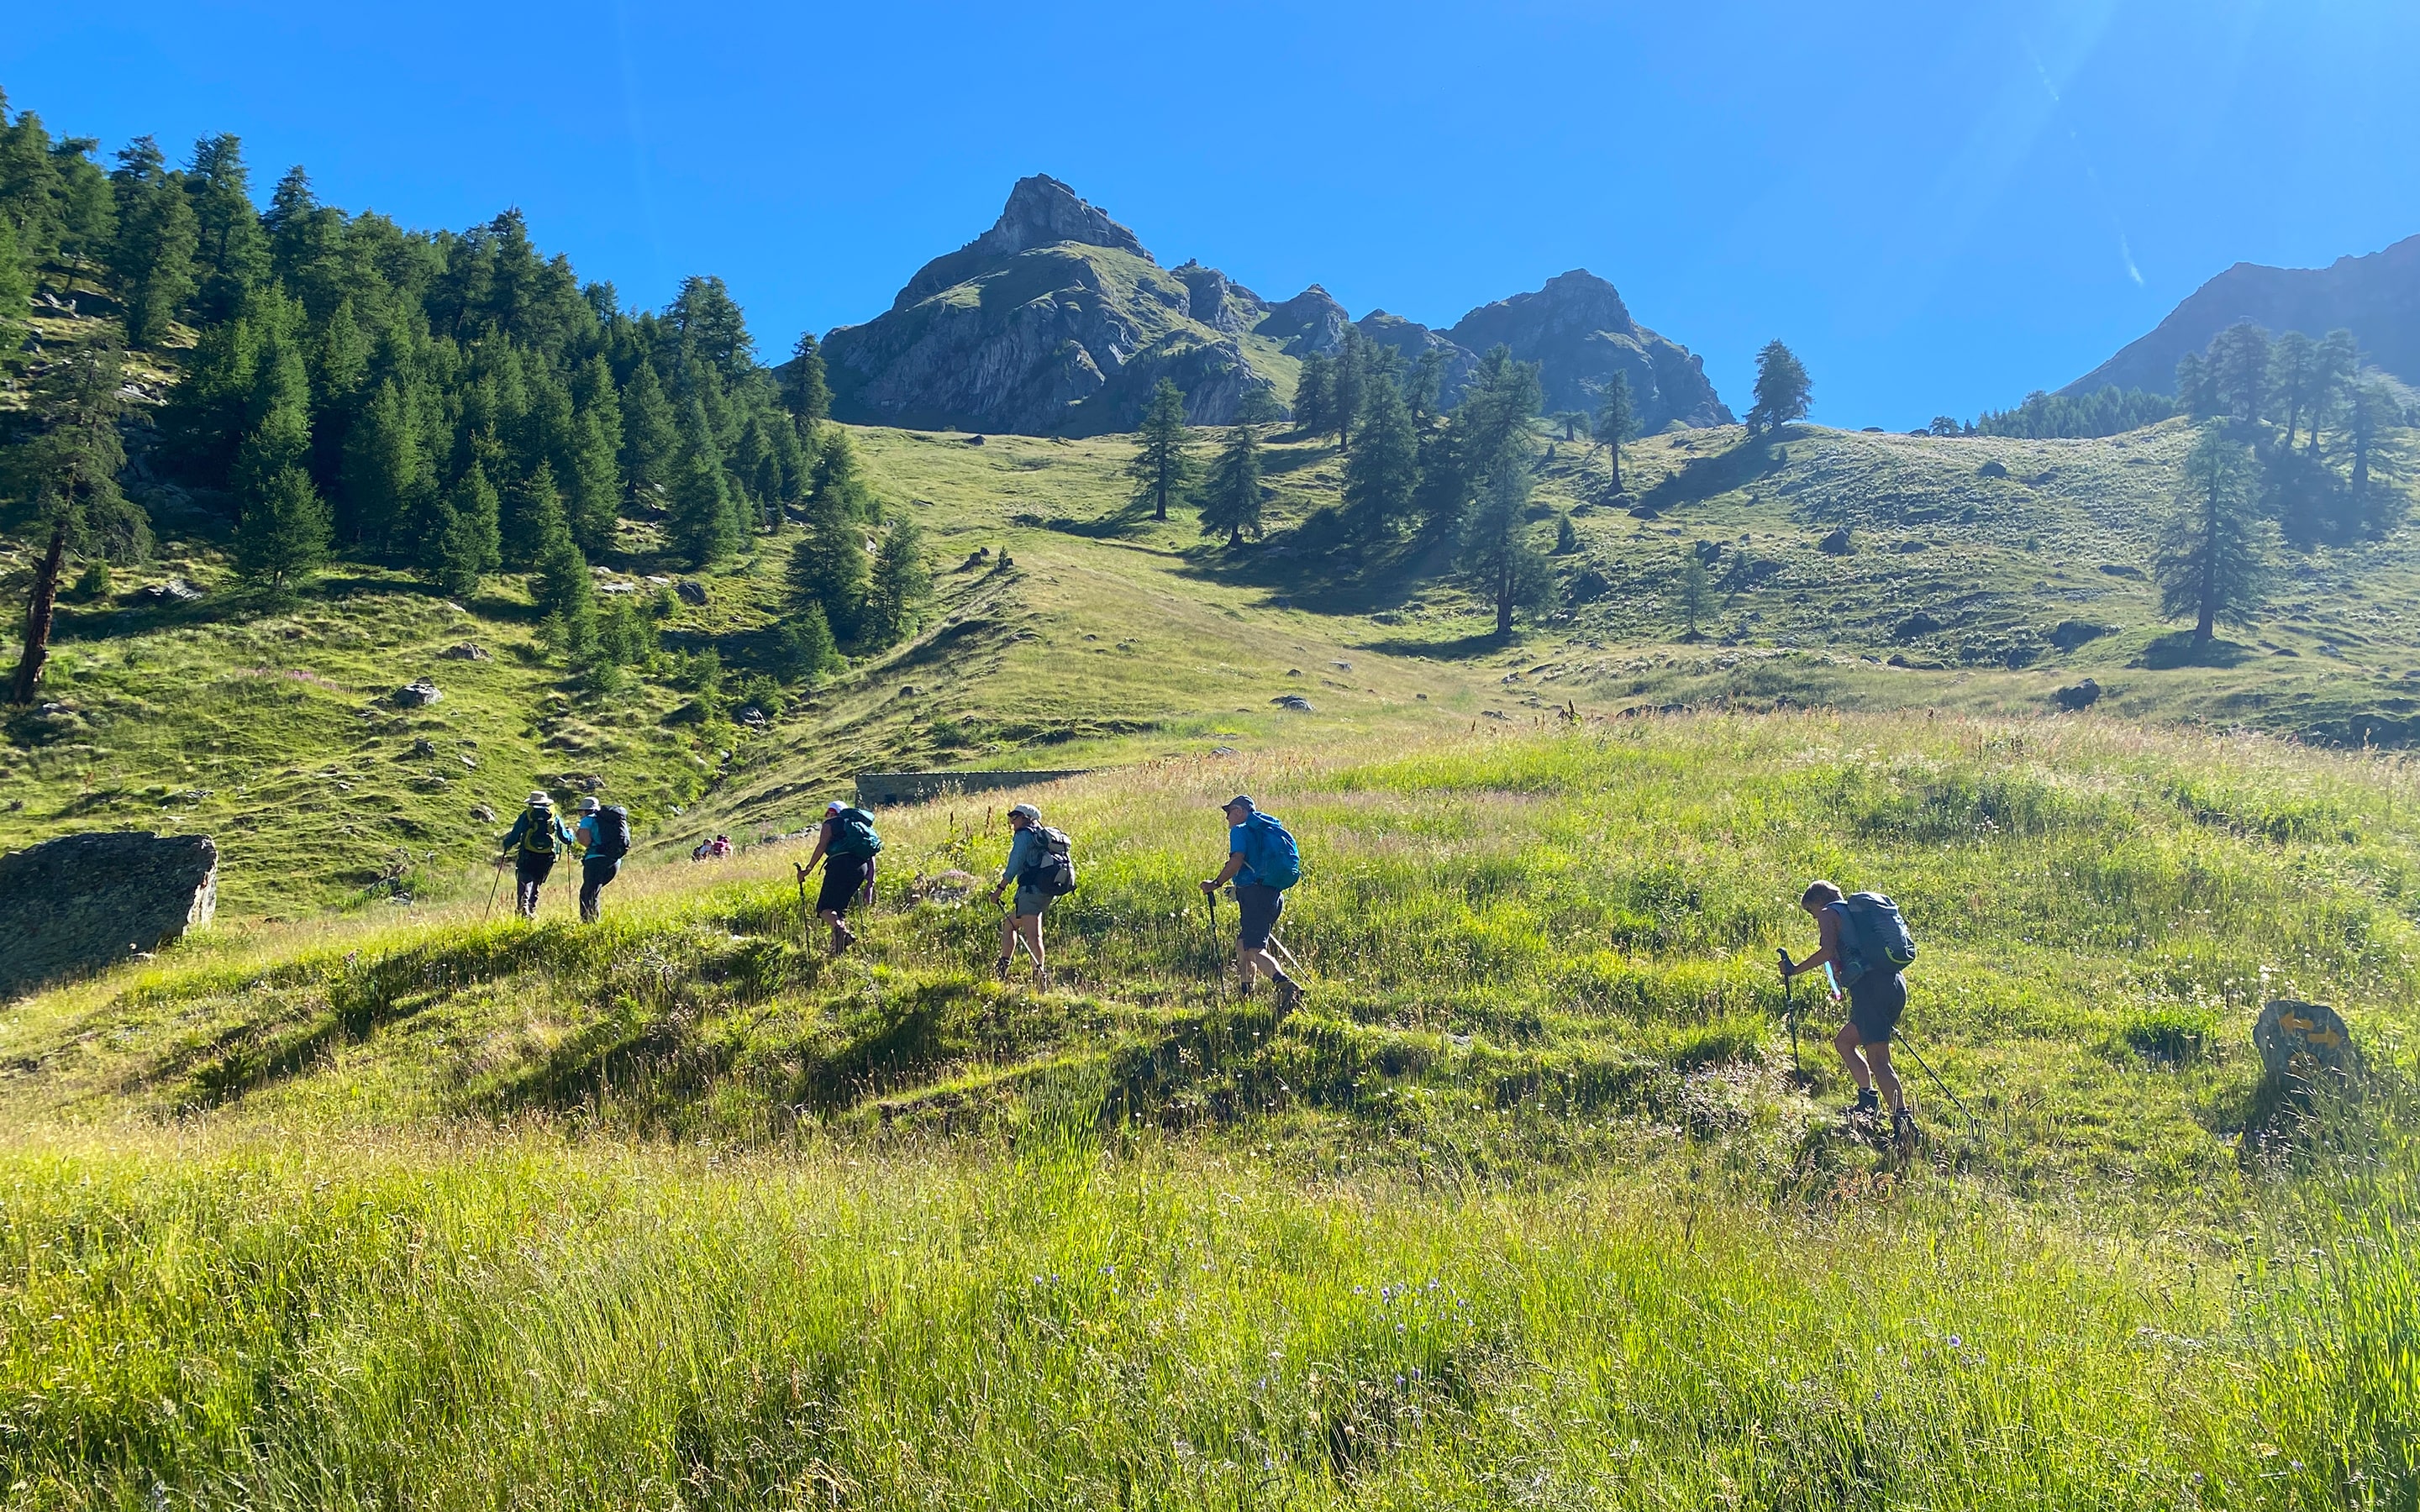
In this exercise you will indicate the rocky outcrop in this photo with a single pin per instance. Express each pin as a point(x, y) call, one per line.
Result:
point(1309, 322)
point(2377, 297)
point(1580, 334)
point(81, 902)
point(1413, 340)
point(1056, 319)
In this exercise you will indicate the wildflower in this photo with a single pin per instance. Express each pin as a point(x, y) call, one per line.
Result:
point(1956, 1341)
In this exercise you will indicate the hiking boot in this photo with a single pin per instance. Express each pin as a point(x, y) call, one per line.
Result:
point(1002, 967)
point(1869, 1105)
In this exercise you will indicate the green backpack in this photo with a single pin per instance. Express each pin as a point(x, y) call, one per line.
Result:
point(853, 834)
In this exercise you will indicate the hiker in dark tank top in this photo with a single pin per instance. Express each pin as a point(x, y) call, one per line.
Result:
point(1877, 997)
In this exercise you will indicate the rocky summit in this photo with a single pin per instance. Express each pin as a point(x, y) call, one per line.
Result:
point(1058, 321)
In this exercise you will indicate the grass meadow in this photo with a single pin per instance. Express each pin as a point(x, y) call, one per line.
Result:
point(1522, 1206)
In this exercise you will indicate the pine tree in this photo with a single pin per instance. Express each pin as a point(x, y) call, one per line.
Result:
point(2197, 398)
point(283, 536)
point(277, 433)
point(1782, 389)
point(1498, 555)
point(902, 585)
point(651, 435)
point(560, 585)
point(1617, 421)
point(802, 645)
point(2295, 378)
point(1567, 537)
point(1382, 476)
point(710, 324)
point(385, 475)
point(462, 541)
point(2239, 372)
point(2212, 558)
point(806, 392)
point(828, 568)
point(1232, 502)
point(16, 293)
point(1163, 466)
point(1348, 386)
point(72, 468)
point(840, 483)
point(704, 522)
point(152, 253)
point(233, 252)
point(1313, 397)
point(531, 511)
point(1425, 387)
point(1259, 406)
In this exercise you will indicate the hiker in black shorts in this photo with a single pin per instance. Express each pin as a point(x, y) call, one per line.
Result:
point(845, 844)
point(533, 843)
point(1876, 1000)
point(1262, 862)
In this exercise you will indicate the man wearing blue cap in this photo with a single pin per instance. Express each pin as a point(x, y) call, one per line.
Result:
point(1263, 862)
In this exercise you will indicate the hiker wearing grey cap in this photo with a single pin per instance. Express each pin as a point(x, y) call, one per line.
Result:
point(1026, 853)
point(537, 837)
point(1263, 862)
point(604, 831)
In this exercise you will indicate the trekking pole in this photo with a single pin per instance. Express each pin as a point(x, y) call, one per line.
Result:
point(806, 920)
point(493, 888)
point(1279, 945)
point(1790, 1015)
point(1973, 1126)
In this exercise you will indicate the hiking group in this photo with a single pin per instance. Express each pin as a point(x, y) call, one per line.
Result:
point(601, 835)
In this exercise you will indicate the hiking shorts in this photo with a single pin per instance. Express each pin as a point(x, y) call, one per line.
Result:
point(1260, 907)
point(843, 876)
point(1031, 902)
point(1875, 1003)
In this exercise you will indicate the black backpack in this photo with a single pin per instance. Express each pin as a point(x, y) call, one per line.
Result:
point(1054, 875)
point(1875, 938)
point(612, 832)
point(537, 832)
point(853, 834)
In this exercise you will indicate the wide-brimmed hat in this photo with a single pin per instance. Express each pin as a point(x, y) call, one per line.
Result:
point(589, 805)
point(540, 800)
point(1025, 810)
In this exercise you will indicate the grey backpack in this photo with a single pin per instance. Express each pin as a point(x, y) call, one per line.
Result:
point(1874, 938)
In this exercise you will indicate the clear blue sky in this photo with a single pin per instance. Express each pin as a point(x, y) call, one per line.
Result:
point(1940, 206)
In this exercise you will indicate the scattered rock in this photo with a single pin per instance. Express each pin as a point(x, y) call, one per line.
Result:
point(1294, 672)
point(1918, 623)
point(1223, 750)
point(1994, 469)
point(2074, 633)
point(655, 581)
point(1838, 544)
point(418, 694)
point(948, 889)
point(2120, 569)
point(464, 651)
point(470, 762)
point(753, 717)
point(691, 593)
point(482, 813)
point(2298, 1038)
point(1342, 666)
point(974, 440)
point(174, 590)
point(908, 691)
point(2082, 695)
point(423, 747)
point(617, 588)
point(1494, 714)
point(1295, 701)
point(81, 902)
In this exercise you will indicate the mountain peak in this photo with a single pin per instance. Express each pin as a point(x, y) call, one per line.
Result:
point(1041, 212)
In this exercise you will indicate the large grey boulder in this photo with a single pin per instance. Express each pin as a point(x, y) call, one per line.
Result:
point(80, 903)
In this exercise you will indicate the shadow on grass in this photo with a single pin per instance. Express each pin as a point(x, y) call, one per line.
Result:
point(1321, 566)
point(2179, 649)
point(1704, 477)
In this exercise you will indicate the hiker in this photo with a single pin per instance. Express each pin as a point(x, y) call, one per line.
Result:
point(1877, 997)
point(846, 844)
point(1263, 862)
point(1038, 864)
point(604, 831)
point(712, 850)
point(533, 843)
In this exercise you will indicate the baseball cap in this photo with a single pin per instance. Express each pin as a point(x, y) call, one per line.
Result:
point(1027, 809)
point(1239, 801)
point(834, 806)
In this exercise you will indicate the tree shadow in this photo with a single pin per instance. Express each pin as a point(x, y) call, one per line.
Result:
point(1461, 648)
point(2178, 649)
point(1321, 566)
point(1702, 478)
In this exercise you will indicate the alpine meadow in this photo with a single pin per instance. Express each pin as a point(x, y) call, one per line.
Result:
point(1540, 1109)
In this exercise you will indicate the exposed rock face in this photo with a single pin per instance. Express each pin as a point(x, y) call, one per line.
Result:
point(2377, 297)
point(1580, 334)
point(81, 902)
point(1412, 339)
point(1055, 320)
point(1309, 322)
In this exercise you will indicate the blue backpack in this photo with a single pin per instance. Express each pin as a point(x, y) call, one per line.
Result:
point(1873, 939)
point(1270, 853)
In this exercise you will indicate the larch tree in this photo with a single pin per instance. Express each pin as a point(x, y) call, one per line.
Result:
point(902, 584)
point(1617, 421)
point(1498, 555)
point(2212, 556)
point(1382, 476)
point(70, 469)
point(1231, 501)
point(703, 523)
point(1163, 467)
point(1783, 390)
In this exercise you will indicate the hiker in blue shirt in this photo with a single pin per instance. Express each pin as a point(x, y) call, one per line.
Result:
point(605, 835)
point(1025, 852)
point(534, 841)
point(1263, 862)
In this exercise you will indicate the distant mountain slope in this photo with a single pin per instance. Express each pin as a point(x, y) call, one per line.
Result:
point(1059, 320)
point(1055, 320)
point(1580, 334)
point(2377, 297)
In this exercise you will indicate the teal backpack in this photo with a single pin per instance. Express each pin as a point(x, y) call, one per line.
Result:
point(1874, 938)
point(853, 834)
point(1271, 854)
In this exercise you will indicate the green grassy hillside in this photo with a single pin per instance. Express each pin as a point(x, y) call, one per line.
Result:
point(1113, 639)
point(1523, 1204)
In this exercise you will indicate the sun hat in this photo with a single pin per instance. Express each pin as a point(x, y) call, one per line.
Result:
point(590, 805)
point(540, 800)
point(1027, 810)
